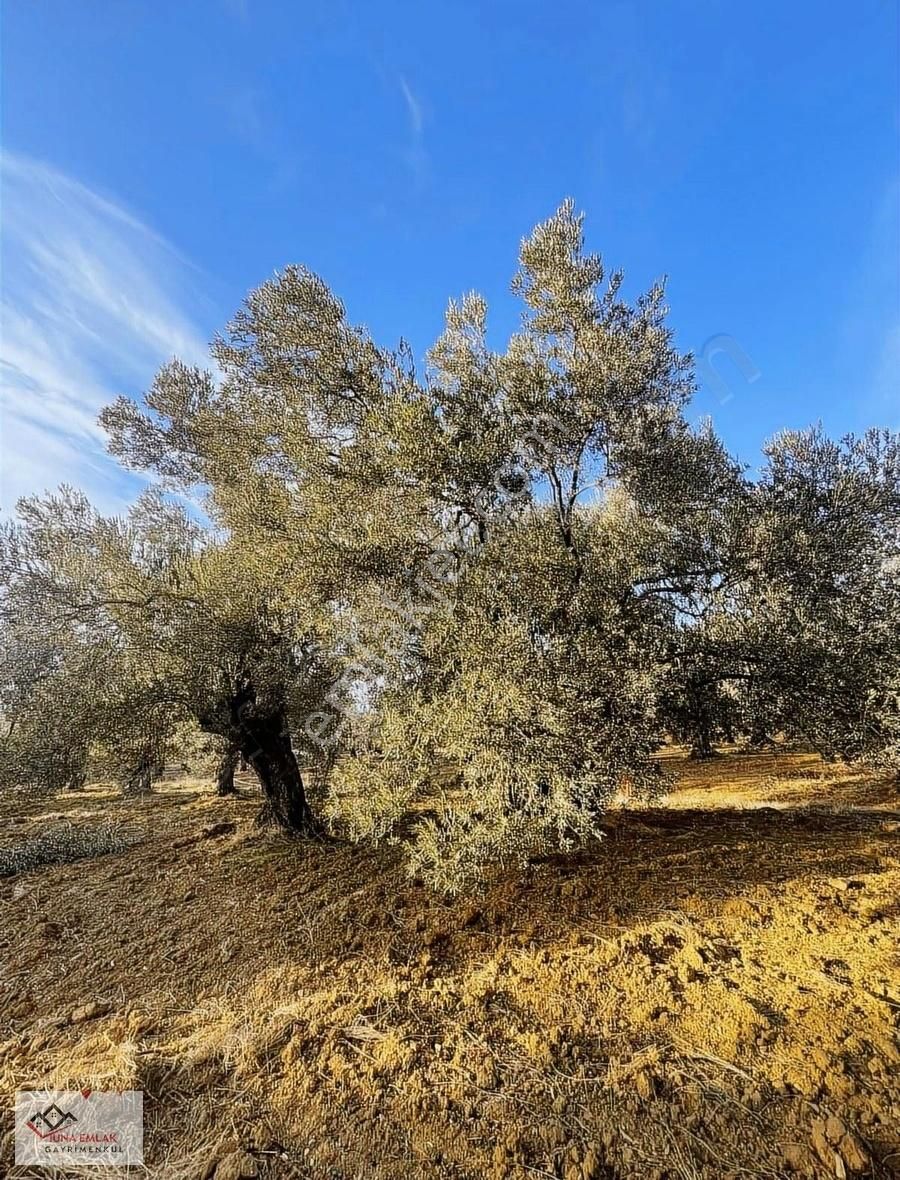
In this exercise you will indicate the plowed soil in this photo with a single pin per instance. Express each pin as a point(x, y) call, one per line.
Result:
point(711, 992)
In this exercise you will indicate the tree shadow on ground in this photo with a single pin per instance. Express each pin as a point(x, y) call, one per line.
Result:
point(256, 887)
point(237, 935)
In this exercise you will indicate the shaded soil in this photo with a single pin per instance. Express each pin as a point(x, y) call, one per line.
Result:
point(713, 991)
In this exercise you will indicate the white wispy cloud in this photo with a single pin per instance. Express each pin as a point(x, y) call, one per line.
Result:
point(93, 301)
point(413, 106)
point(416, 154)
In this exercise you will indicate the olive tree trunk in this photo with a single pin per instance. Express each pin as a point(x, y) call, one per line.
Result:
point(139, 780)
point(702, 748)
point(276, 767)
point(264, 740)
point(759, 737)
point(225, 771)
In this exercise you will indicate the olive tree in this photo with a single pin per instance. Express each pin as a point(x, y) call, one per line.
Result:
point(494, 551)
point(578, 512)
point(43, 732)
point(492, 587)
point(825, 588)
point(73, 692)
point(159, 623)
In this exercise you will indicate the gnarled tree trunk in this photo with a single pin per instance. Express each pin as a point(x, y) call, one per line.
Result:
point(225, 771)
point(702, 748)
point(759, 737)
point(139, 780)
point(702, 726)
point(264, 740)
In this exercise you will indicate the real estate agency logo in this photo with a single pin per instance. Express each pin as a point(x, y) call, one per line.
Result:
point(59, 1127)
point(50, 1120)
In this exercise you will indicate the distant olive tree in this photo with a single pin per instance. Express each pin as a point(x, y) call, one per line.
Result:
point(825, 589)
point(43, 739)
point(158, 624)
point(73, 696)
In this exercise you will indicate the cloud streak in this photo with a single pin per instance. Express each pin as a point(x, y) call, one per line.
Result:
point(93, 301)
point(413, 106)
point(416, 155)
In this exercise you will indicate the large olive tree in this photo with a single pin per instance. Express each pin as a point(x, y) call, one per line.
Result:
point(579, 513)
point(495, 549)
point(489, 588)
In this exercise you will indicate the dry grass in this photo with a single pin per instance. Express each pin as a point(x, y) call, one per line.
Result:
point(694, 998)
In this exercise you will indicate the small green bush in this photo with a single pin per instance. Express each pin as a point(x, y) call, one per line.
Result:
point(64, 845)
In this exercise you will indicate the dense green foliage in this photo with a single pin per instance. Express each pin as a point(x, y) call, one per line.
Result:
point(485, 593)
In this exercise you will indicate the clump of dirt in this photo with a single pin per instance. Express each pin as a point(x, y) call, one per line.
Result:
point(712, 992)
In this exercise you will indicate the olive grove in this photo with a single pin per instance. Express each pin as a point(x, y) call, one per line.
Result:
point(487, 591)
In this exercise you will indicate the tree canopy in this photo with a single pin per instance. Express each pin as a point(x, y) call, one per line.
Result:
point(484, 593)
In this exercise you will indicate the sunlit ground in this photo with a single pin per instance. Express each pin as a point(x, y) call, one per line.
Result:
point(712, 991)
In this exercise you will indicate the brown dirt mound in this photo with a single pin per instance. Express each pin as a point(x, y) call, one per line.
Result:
point(712, 992)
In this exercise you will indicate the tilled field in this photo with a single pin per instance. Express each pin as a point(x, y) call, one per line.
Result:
point(713, 991)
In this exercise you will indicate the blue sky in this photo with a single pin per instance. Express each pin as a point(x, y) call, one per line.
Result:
point(160, 158)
